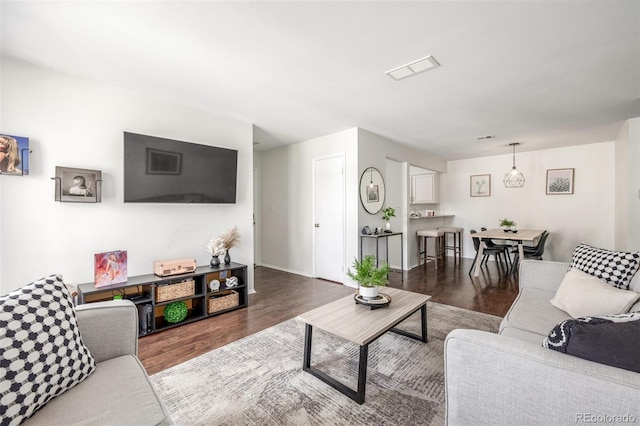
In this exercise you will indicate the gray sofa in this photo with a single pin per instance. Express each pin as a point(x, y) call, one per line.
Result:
point(510, 379)
point(118, 392)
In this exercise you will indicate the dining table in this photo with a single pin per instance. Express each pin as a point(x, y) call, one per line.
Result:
point(519, 236)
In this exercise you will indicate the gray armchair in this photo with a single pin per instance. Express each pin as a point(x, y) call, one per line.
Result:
point(118, 392)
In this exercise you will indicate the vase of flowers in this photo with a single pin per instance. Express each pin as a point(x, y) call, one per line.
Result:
point(231, 238)
point(215, 248)
point(220, 245)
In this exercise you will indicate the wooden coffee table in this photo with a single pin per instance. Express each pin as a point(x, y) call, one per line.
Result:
point(361, 325)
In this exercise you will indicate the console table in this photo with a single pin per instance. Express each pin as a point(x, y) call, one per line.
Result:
point(148, 293)
point(386, 236)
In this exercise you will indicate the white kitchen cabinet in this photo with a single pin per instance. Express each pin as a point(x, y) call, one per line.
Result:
point(424, 188)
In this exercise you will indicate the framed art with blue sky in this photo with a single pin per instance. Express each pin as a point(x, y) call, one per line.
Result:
point(14, 155)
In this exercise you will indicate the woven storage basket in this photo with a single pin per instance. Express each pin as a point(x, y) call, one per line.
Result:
point(175, 291)
point(224, 300)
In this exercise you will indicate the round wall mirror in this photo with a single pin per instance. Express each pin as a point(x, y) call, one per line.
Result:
point(372, 190)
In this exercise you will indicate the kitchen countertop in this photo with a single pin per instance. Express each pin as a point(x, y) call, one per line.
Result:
point(432, 217)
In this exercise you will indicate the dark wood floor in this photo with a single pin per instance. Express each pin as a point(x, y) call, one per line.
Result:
point(281, 296)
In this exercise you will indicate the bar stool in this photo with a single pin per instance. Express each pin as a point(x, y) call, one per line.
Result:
point(457, 240)
point(424, 235)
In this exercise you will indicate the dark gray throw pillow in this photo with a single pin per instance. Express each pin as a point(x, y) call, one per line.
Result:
point(608, 339)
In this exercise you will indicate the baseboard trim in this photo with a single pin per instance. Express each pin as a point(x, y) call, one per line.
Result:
point(280, 268)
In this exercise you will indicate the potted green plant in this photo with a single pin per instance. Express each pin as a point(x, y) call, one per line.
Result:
point(507, 225)
point(387, 214)
point(368, 276)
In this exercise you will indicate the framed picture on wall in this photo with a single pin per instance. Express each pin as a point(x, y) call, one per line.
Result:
point(78, 185)
point(560, 181)
point(480, 186)
point(14, 155)
point(373, 194)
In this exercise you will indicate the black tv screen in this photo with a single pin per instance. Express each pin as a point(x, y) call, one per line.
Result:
point(158, 170)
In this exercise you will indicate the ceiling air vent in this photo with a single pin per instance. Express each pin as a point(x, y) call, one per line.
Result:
point(413, 68)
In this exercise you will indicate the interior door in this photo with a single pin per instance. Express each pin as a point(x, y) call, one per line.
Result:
point(329, 218)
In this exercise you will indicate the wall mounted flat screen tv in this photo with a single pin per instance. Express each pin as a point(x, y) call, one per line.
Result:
point(158, 170)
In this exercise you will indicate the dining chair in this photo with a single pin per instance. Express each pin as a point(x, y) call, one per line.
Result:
point(488, 251)
point(532, 252)
point(506, 247)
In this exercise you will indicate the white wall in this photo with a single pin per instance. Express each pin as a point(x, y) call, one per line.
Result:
point(627, 194)
point(374, 151)
point(395, 198)
point(634, 188)
point(78, 123)
point(586, 216)
point(621, 239)
point(286, 198)
point(286, 178)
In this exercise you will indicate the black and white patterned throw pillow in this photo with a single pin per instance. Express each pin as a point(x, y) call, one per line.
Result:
point(615, 267)
point(41, 351)
point(608, 339)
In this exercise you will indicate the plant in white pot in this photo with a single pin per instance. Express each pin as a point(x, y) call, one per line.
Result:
point(387, 214)
point(368, 276)
point(507, 225)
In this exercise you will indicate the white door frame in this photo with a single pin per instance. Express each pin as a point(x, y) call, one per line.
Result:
point(257, 252)
point(341, 155)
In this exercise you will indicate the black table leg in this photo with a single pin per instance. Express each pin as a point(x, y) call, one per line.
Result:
point(423, 321)
point(362, 373)
point(357, 395)
point(308, 332)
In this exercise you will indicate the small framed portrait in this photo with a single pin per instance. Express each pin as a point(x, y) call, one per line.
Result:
point(78, 185)
point(560, 181)
point(161, 162)
point(480, 186)
point(373, 194)
point(14, 155)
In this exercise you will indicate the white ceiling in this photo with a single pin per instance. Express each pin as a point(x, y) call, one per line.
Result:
point(543, 73)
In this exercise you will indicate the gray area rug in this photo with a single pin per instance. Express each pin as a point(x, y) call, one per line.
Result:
point(259, 380)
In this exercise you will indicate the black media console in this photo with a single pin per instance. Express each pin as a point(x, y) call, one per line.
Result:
point(149, 292)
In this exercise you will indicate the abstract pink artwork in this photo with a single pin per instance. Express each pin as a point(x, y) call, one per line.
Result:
point(110, 268)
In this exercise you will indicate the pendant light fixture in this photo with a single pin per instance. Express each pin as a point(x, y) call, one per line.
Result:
point(514, 178)
point(371, 182)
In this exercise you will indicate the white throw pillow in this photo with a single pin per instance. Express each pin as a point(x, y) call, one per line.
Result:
point(581, 294)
